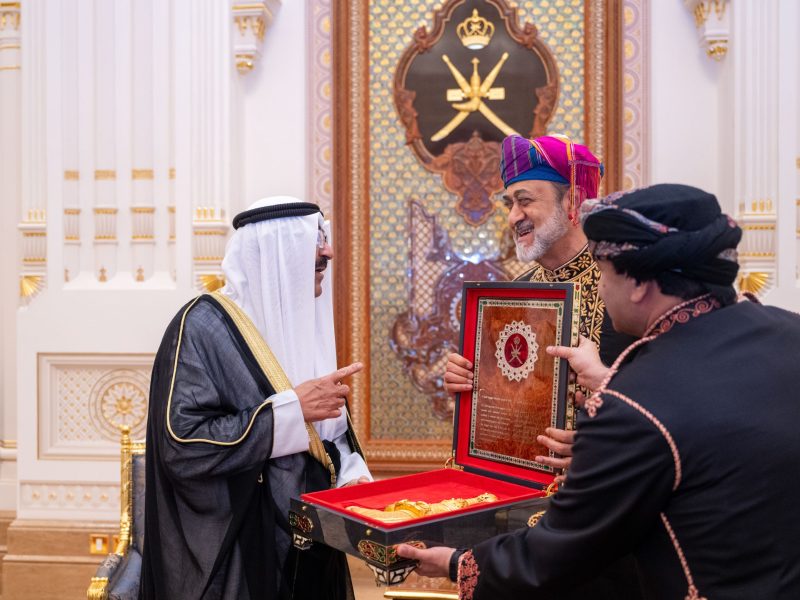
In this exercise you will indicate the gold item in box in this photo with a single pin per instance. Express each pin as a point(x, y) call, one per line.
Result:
point(403, 510)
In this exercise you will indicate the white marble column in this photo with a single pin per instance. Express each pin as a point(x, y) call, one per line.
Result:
point(764, 100)
point(10, 192)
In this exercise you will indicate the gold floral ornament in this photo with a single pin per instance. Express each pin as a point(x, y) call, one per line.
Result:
point(124, 404)
point(404, 510)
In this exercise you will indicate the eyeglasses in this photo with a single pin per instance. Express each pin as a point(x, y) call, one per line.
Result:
point(322, 238)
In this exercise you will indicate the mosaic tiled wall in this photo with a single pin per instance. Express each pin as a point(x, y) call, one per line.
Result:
point(397, 409)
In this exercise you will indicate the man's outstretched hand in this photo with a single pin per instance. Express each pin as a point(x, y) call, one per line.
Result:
point(584, 360)
point(433, 562)
point(323, 398)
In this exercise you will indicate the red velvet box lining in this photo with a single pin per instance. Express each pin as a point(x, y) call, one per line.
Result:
point(464, 400)
point(430, 487)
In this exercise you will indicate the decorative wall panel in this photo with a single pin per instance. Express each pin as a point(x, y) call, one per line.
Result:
point(402, 316)
point(85, 398)
point(102, 500)
point(635, 96)
point(320, 97)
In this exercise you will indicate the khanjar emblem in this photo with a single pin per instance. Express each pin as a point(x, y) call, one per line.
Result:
point(517, 351)
point(476, 76)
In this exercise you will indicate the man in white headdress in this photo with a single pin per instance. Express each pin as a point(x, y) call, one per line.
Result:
point(247, 409)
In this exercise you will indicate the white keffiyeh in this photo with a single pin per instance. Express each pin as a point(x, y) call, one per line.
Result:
point(269, 273)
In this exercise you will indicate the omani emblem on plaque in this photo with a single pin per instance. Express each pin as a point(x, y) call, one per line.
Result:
point(517, 351)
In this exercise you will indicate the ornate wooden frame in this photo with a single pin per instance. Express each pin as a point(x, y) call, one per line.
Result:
point(603, 127)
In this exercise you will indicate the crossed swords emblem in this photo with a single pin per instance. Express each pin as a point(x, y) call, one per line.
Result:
point(470, 97)
point(516, 350)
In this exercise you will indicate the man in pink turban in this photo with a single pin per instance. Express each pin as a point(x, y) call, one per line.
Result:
point(546, 180)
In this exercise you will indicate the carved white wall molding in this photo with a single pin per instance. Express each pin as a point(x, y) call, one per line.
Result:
point(85, 398)
point(82, 500)
point(10, 16)
point(33, 223)
point(18, 282)
point(712, 18)
point(250, 21)
point(10, 40)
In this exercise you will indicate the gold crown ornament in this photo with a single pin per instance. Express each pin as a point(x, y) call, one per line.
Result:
point(475, 32)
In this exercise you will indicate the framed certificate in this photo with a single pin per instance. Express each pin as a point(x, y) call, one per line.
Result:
point(519, 390)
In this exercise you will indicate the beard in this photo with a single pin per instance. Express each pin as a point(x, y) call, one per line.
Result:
point(321, 263)
point(544, 237)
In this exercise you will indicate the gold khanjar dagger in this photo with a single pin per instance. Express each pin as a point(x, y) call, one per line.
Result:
point(474, 92)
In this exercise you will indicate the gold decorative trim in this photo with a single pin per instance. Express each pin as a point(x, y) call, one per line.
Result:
point(72, 211)
point(34, 260)
point(214, 259)
point(34, 234)
point(30, 285)
point(105, 238)
point(263, 355)
point(8, 444)
point(270, 367)
point(761, 206)
point(703, 8)
point(142, 174)
point(752, 282)
point(207, 213)
point(11, 68)
point(97, 589)
point(36, 215)
point(72, 175)
point(209, 232)
point(212, 282)
point(756, 254)
point(171, 210)
point(717, 49)
point(105, 175)
point(143, 210)
point(758, 227)
point(256, 23)
point(172, 173)
point(535, 518)
point(143, 236)
point(245, 62)
point(9, 46)
point(105, 211)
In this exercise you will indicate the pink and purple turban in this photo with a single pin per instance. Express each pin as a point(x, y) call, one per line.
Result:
point(552, 158)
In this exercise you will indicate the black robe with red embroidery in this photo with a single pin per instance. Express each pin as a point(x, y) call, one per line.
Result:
point(692, 452)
